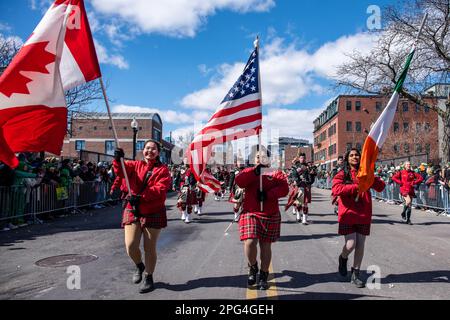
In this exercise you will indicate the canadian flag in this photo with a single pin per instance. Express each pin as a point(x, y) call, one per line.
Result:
point(33, 112)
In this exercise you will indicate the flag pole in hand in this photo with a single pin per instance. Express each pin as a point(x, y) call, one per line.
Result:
point(115, 136)
point(256, 43)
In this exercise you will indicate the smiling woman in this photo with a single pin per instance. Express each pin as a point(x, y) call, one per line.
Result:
point(144, 212)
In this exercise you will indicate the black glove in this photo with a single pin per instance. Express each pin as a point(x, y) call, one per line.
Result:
point(262, 195)
point(258, 169)
point(118, 154)
point(133, 200)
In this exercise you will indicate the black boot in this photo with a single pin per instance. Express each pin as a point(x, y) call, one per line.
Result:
point(137, 276)
point(147, 285)
point(252, 272)
point(262, 281)
point(408, 215)
point(356, 280)
point(404, 213)
point(343, 266)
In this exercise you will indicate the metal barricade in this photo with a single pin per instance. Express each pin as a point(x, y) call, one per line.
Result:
point(19, 204)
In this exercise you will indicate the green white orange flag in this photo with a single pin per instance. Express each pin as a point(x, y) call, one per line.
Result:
point(378, 133)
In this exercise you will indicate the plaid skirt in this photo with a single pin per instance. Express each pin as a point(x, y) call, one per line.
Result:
point(257, 226)
point(154, 221)
point(345, 229)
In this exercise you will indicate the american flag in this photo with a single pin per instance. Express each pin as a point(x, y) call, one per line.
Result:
point(238, 116)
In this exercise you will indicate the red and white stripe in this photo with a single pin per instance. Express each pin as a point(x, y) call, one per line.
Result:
point(234, 119)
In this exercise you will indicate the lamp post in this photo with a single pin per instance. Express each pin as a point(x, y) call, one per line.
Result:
point(134, 126)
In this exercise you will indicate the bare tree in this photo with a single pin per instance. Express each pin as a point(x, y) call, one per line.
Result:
point(377, 72)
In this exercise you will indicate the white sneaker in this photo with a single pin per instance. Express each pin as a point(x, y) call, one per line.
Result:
point(304, 219)
point(12, 226)
point(294, 210)
point(217, 199)
point(183, 215)
point(401, 204)
point(430, 211)
point(195, 209)
point(199, 211)
point(298, 217)
point(6, 229)
point(188, 218)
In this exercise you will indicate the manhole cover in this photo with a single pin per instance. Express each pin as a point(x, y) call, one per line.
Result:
point(66, 260)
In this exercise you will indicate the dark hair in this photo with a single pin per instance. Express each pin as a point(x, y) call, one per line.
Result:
point(347, 171)
point(340, 158)
point(157, 143)
point(302, 154)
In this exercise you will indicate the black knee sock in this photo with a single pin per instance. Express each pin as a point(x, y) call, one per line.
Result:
point(408, 213)
point(141, 266)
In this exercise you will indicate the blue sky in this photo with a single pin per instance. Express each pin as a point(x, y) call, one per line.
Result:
point(180, 57)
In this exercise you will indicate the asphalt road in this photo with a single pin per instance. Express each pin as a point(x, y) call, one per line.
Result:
point(200, 261)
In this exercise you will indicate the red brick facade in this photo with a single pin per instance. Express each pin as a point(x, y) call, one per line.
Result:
point(347, 121)
point(94, 133)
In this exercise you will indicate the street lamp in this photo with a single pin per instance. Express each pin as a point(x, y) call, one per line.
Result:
point(134, 126)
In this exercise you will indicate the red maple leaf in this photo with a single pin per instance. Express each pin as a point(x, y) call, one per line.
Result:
point(32, 57)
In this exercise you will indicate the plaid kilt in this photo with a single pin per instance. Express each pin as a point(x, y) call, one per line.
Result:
point(345, 229)
point(307, 195)
point(256, 226)
point(154, 220)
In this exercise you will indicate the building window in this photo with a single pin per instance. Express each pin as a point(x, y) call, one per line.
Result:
point(125, 128)
point(426, 108)
point(405, 106)
point(417, 107)
point(110, 145)
point(80, 128)
point(140, 145)
point(406, 147)
point(396, 127)
point(427, 127)
point(349, 126)
point(358, 126)
point(80, 145)
point(396, 148)
point(418, 127)
point(418, 148)
point(358, 106)
point(405, 126)
point(427, 148)
point(349, 106)
point(156, 135)
point(358, 146)
point(349, 146)
point(378, 106)
point(95, 128)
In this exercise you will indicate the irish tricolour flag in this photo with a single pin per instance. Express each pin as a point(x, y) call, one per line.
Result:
point(378, 133)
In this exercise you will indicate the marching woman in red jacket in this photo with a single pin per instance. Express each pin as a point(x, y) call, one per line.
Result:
point(144, 213)
point(407, 179)
point(256, 225)
point(354, 216)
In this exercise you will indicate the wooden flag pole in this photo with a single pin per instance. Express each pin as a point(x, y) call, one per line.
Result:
point(122, 162)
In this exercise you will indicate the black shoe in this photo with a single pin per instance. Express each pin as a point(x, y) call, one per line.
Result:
point(262, 281)
point(147, 285)
point(356, 280)
point(409, 222)
point(252, 272)
point(403, 216)
point(137, 276)
point(343, 266)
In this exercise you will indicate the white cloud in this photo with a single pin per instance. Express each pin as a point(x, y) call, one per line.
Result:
point(287, 73)
point(180, 18)
point(291, 123)
point(112, 59)
point(167, 116)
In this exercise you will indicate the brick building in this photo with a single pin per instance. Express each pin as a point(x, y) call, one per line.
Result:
point(93, 132)
point(291, 147)
point(347, 120)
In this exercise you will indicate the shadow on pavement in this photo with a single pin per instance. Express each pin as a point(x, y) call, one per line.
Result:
point(438, 276)
point(307, 237)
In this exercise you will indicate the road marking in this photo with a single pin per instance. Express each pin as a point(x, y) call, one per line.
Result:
point(272, 292)
point(252, 293)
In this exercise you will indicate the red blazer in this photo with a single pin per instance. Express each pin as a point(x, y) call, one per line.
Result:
point(154, 195)
point(274, 184)
point(350, 211)
point(407, 180)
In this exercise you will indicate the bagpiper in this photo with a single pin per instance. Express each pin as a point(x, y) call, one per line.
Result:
point(302, 180)
point(187, 196)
